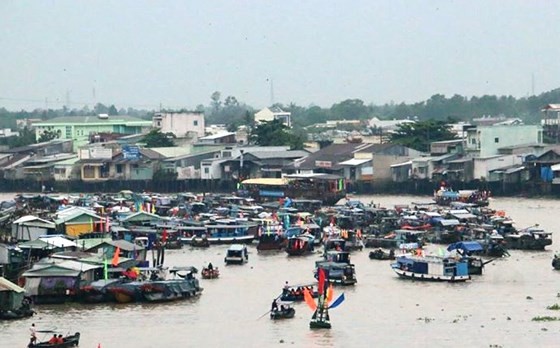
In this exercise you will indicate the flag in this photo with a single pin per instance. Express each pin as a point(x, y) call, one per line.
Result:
point(105, 268)
point(330, 293)
point(338, 301)
point(115, 261)
point(309, 299)
point(321, 285)
point(164, 235)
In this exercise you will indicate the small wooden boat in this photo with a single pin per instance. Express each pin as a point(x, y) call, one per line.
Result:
point(380, 254)
point(556, 262)
point(68, 341)
point(295, 293)
point(208, 273)
point(284, 312)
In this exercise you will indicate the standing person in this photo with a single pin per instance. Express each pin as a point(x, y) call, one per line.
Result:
point(33, 333)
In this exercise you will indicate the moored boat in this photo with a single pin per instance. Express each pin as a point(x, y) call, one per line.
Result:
point(337, 273)
point(300, 245)
point(380, 254)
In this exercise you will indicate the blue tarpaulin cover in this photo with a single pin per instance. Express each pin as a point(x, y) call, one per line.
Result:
point(467, 246)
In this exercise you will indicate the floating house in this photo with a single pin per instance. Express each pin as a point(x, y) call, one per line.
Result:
point(75, 221)
point(31, 227)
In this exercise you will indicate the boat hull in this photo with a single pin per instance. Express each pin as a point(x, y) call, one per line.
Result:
point(283, 314)
point(430, 277)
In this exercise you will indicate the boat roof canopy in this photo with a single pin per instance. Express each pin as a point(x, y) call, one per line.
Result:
point(466, 246)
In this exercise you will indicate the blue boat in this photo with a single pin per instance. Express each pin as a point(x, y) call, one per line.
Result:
point(431, 268)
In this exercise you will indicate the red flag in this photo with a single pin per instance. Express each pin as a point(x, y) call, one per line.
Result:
point(164, 235)
point(115, 261)
point(321, 285)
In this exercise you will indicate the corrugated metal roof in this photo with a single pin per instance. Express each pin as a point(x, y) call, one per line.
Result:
point(94, 120)
point(6, 285)
point(354, 162)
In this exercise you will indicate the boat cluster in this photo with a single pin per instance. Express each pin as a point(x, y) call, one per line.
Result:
point(111, 247)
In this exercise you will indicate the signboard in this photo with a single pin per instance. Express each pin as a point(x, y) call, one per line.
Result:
point(131, 152)
point(268, 193)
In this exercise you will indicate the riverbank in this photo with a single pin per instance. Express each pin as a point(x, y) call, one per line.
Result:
point(415, 187)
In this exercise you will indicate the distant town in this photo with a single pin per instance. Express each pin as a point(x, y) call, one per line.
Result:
point(181, 151)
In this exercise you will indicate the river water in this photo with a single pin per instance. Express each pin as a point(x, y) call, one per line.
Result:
point(493, 310)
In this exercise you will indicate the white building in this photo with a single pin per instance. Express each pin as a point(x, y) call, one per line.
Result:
point(180, 123)
point(274, 113)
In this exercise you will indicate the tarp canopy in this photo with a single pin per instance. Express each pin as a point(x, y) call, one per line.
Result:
point(466, 246)
point(6, 285)
point(266, 181)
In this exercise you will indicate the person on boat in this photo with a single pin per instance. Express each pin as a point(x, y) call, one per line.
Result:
point(286, 286)
point(274, 306)
point(60, 339)
point(33, 333)
point(210, 266)
point(392, 253)
point(282, 308)
point(53, 340)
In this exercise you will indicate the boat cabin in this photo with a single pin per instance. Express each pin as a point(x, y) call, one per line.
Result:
point(336, 272)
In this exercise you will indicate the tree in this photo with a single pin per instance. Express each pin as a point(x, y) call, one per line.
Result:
point(112, 110)
point(155, 138)
point(48, 135)
point(275, 133)
point(421, 134)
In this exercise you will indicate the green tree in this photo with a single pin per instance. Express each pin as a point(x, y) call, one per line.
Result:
point(275, 133)
point(155, 138)
point(47, 135)
point(112, 110)
point(419, 135)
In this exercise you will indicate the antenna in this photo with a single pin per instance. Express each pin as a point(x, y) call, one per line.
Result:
point(271, 92)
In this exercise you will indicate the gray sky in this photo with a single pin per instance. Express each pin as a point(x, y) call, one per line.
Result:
point(143, 53)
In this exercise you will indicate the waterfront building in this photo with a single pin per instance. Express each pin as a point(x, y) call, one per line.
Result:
point(485, 141)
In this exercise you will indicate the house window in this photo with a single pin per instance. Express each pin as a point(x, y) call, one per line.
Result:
point(496, 140)
point(206, 170)
point(158, 124)
point(473, 141)
point(195, 123)
point(68, 132)
point(119, 168)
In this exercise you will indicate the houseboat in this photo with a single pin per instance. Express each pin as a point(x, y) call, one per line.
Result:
point(236, 254)
point(395, 239)
point(431, 268)
point(532, 238)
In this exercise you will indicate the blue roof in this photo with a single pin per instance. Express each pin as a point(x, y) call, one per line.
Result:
point(466, 246)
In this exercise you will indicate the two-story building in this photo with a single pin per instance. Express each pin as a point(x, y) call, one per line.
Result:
point(486, 140)
point(80, 128)
point(180, 123)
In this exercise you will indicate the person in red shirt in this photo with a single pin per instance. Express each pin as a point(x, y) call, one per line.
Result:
point(53, 340)
point(60, 339)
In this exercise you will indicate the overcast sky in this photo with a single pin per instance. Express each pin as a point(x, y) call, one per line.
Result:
point(143, 53)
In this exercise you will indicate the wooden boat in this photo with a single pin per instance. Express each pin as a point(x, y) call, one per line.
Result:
point(200, 242)
point(337, 272)
point(431, 268)
point(380, 254)
point(69, 341)
point(284, 312)
point(300, 245)
point(295, 293)
point(395, 239)
point(208, 273)
point(556, 262)
point(236, 254)
point(532, 238)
